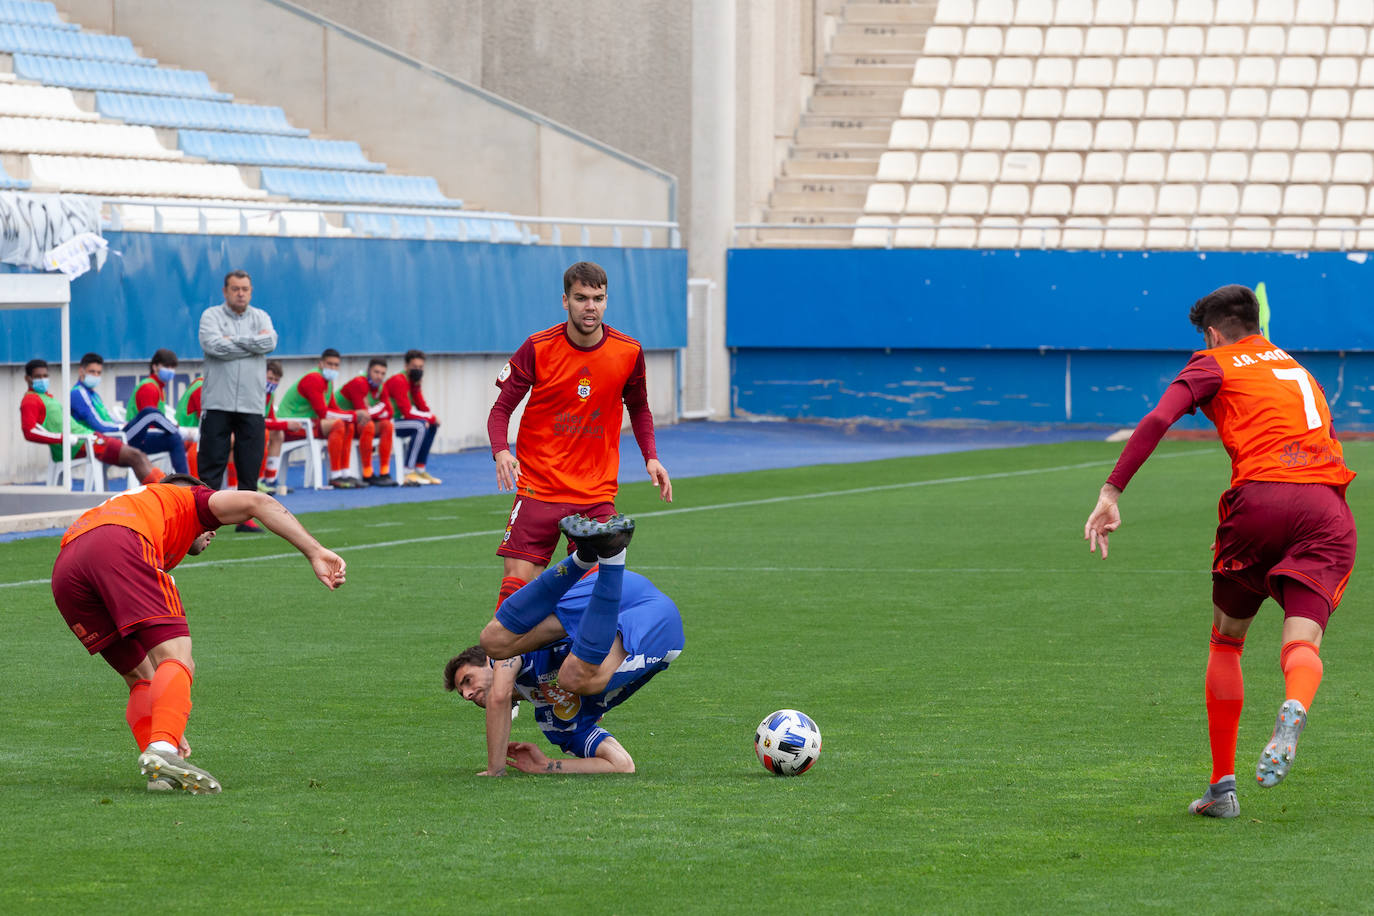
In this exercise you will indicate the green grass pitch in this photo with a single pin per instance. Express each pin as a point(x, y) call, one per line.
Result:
point(1010, 724)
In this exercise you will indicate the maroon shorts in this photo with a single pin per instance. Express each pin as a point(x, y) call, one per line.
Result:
point(1271, 531)
point(107, 450)
point(114, 597)
point(532, 532)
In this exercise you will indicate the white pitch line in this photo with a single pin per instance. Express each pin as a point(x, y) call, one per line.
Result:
point(855, 491)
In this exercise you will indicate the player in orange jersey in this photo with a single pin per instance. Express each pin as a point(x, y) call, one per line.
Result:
point(112, 586)
point(577, 374)
point(1285, 531)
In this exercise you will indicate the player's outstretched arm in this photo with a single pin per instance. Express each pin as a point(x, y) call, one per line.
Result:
point(1105, 519)
point(610, 757)
point(659, 475)
point(234, 506)
point(498, 715)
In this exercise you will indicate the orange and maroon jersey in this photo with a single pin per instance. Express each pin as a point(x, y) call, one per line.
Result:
point(569, 438)
point(168, 517)
point(1270, 412)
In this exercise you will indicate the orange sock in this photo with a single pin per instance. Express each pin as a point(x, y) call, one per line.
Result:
point(192, 466)
point(1225, 699)
point(1302, 671)
point(340, 438)
point(139, 712)
point(153, 476)
point(384, 432)
point(365, 449)
point(509, 586)
point(170, 698)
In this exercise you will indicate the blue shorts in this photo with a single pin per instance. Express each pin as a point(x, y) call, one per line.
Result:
point(649, 625)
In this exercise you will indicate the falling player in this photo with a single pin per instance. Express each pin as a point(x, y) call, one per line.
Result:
point(1285, 531)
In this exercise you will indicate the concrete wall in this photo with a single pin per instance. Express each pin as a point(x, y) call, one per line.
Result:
point(460, 389)
point(420, 118)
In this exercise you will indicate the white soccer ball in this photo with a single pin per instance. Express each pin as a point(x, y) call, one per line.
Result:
point(787, 742)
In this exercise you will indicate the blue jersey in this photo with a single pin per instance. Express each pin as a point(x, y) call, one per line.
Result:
point(88, 408)
point(650, 628)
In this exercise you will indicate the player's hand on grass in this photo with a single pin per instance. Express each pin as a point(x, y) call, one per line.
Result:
point(329, 568)
point(659, 475)
point(500, 772)
point(1105, 519)
point(507, 470)
point(526, 757)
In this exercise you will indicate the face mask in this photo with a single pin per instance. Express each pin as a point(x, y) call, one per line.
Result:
point(415, 375)
point(329, 374)
point(373, 384)
point(166, 375)
point(40, 385)
point(90, 381)
point(271, 387)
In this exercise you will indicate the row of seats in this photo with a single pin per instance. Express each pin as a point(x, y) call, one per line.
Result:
point(139, 177)
point(1217, 167)
point(269, 149)
point(166, 111)
point(24, 39)
point(1193, 134)
point(1148, 41)
point(11, 184)
point(220, 220)
point(1138, 103)
point(1120, 233)
point(95, 74)
point(20, 100)
point(443, 228)
point(49, 135)
point(1143, 72)
point(1124, 200)
point(355, 188)
point(32, 12)
point(1152, 12)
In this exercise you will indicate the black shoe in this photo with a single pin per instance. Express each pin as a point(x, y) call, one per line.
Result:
point(249, 525)
point(346, 483)
point(595, 539)
point(382, 480)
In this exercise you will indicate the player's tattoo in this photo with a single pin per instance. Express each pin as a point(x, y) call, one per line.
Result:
point(553, 765)
point(510, 663)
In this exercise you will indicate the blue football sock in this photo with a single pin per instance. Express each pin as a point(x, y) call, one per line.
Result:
point(597, 631)
point(522, 611)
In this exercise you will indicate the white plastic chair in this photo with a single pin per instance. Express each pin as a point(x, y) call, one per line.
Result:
point(1311, 168)
point(1318, 135)
point(1237, 135)
point(1250, 233)
point(1144, 168)
point(1013, 72)
point(1271, 168)
point(968, 200)
point(1247, 103)
point(1022, 41)
point(1216, 71)
point(1093, 72)
point(1009, 200)
point(1125, 233)
point(1135, 200)
point(1196, 134)
point(1338, 72)
point(1082, 233)
point(937, 167)
point(990, 134)
point(954, 12)
point(1292, 233)
point(1297, 71)
point(885, 198)
point(1042, 103)
point(979, 168)
point(1113, 12)
point(1051, 200)
point(1346, 41)
point(1317, 12)
point(1166, 232)
point(1124, 103)
point(921, 103)
point(1356, 12)
point(1062, 168)
point(1113, 135)
point(1224, 41)
point(958, 103)
point(1333, 104)
point(1103, 167)
point(1143, 41)
point(1176, 200)
point(316, 455)
point(1306, 41)
point(908, 135)
point(1154, 135)
point(86, 467)
point(897, 166)
point(1187, 168)
point(1205, 103)
point(1193, 12)
point(1103, 41)
point(1031, 134)
point(956, 232)
point(1288, 103)
point(1020, 168)
point(1040, 232)
point(1234, 12)
point(1302, 200)
point(926, 199)
point(944, 41)
point(1092, 200)
point(1276, 11)
point(1073, 12)
point(1053, 71)
point(1165, 103)
point(1184, 41)
point(1138, 72)
point(993, 12)
point(1154, 12)
point(914, 232)
point(1266, 41)
point(1001, 103)
point(932, 71)
point(1063, 41)
point(1353, 168)
point(879, 236)
point(982, 41)
point(1083, 103)
point(1260, 199)
point(971, 71)
point(998, 233)
point(1256, 71)
point(1073, 135)
point(1345, 200)
point(1033, 12)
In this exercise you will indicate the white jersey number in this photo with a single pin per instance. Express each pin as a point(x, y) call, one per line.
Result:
point(1309, 401)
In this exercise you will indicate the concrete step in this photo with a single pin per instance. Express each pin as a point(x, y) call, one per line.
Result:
point(813, 216)
point(892, 75)
point(837, 184)
point(808, 238)
point(850, 90)
point(860, 43)
point(820, 169)
point(839, 122)
point(813, 200)
point(855, 106)
point(903, 58)
point(889, 12)
point(838, 136)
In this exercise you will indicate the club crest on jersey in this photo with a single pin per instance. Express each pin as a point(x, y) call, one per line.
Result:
point(584, 388)
point(504, 373)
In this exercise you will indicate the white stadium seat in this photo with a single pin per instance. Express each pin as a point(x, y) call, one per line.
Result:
point(1228, 167)
point(956, 232)
point(1357, 12)
point(968, 200)
point(1329, 103)
point(139, 177)
point(1345, 200)
point(1083, 103)
point(1284, 135)
point(1053, 71)
point(1266, 41)
point(1009, 200)
point(1113, 12)
point(1205, 103)
point(1297, 71)
point(1154, 12)
point(1040, 232)
point(958, 103)
point(1002, 103)
point(937, 167)
point(1073, 12)
point(1033, 12)
point(1306, 41)
point(920, 103)
point(971, 71)
point(1265, 167)
point(1276, 11)
point(995, 135)
point(1187, 168)
point(1313, 168)
point(1175, 71)
point(1124, 233)
point(1346, 41)
point(1256, 71)
point(1362, 103)
point(1234, 12)
point(1366, 77)
point(877, 237)
point(1261, 199)
point(949, 135)
point(41, 102)
point(1166, 232)
point(1042, 103)
point(885, 198)
point(1073, 135)
point(1063, 41)
point(993, 12)
point(982, 41)
point(1318, 12)
point(1012, 71)
point(1358, 135)
point(1219, 199)
point(82, 138)
point(1144, 41)
point(944, 41)
point(999, 233)
point(1066, 168)
point(1250, 233)
point(1211, 232)
point(926, 198)
point(1103, 167)
point(897, 166)
point(1144, 167)
point(1302, 200)
point(1124, 103)
point(1165, 103)
point(1288, 103)
point(1051, 200)
point(1184, 41)
point(1292, 233)
point(1113, 135)
point(1103, 41)
point(1177, 200)
point(979, 168)
point(1082, 232)
point(1134, 71)
point(908, 135)
point(1193, 12)
point(1341, 72)
point(1316, 135)
point(1020, 167)
point(1022, 41)
point(1334, 232)
point(1247, 103)
point(932, 71)
point(1154, 134)
point(1353, 168)
point(1233, 134)
point(954, 12)
point(1216, 71)
point(914, 232)
point(1093, 72)
point(1225, 40)
point(1196, 134)
point(1135, 200)
point(1031, 135)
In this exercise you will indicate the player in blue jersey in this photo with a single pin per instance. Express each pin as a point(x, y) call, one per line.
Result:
point(575, 648)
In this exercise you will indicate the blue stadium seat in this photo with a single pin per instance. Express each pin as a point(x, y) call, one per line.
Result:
point(23, 39)
point(11, 184)
point(97, 74)
point(164, 111)
point(355, 188)
point(264, 149)
point(445, 228)
point(31, 12)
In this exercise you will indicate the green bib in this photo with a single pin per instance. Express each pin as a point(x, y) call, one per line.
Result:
point(294, 404)
point(184, 415)
point(131, 408)
point(52, 422)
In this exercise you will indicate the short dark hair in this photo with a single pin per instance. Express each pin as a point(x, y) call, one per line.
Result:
point(183, 480)
point(1233, 310)
point(237, 275)
point(34, 364)
point(586, 273)
point(163, 357)
point(472, 655)
point(330, 351)
point(274, 365)
point(92, 358)
point(414, 354)
point(376, 361)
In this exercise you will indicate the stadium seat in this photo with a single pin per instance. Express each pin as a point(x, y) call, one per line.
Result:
point(1292, 233)
point(1040, 232)
point(932, 71)
point(1266, 41)
point(1302, 200)
point(139, 177)
point(971, 71)
point(1353, 168)
point(87, 46)
point(1177, 200)
point(1031, 135)
point(1318, 12)
point(1243, 135)
point(471, 226)
point(999, 233)
point(123, 77)
point(941, 167)
point(1362, 103)
point(880, 236)
point(944, 41)
point(1154, 12)
point(1250, 232)
point(1009, 200)
point(1136, 72)
point(1247, 103)
point(981, 41)
point(1260, 199)
point(1104, 168)
point(1297, 71)
point(1188, 12)
point(1022, 42)
point(354, 187)
point(1124, 103)
point(897, 166)
point(51, 135)
point(921, 103)
point(1200, 134)
point(1187, 168)
point(1066, 168)
point(1051, 200)
point(42, 102)
point(1092, 200)
point(1306, 41)
point(1205, 103)
point(1224, 41)
point(957, 103)
point(1184, 41)
point(1063, 42)
point(1356, 12)
point(956, 232)
point(1334, 232)
point(29, 12)
point(1113, 135)
point(1001, 103)
point(1366, 77)
point(1312, 168)
point(1288, 103)
point(1276, 11)
point(967, 200)
point(954, 12)
point(1053, 71)
point(1218, 199)
point(908, 135)
point(1082, 233)
point(1358, 135)
point(1346, 41)
point(1338, 72)
point(1256, 71)
point(1013, 72)
point(1329, 103)
point(1345, 200)
point(1073, 12)
point(1234, 12)
point(161, 111)
point(1020, 168)
point(1103, 41)
point(979, 168)
point(1215, 71)
point(1095, 72)
point(949, 135)
point(1042, 103)
point(1175, 71)
point(1165, 103)
point(1033, 12)
point(1211, 232)
point(1113, 12)
point(1135, 200)
point(1315, 135)
point(914, 232)
point(1144, 167)
point(927, 199)
point(1083, 103)
point(990, 135)
point(1154, 135)
point(1166, 232)
point(267, 149)
point(1264, 167)
point(1124, 233)
point(1073, 135)
point(885, 198)
point(1143, 41)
